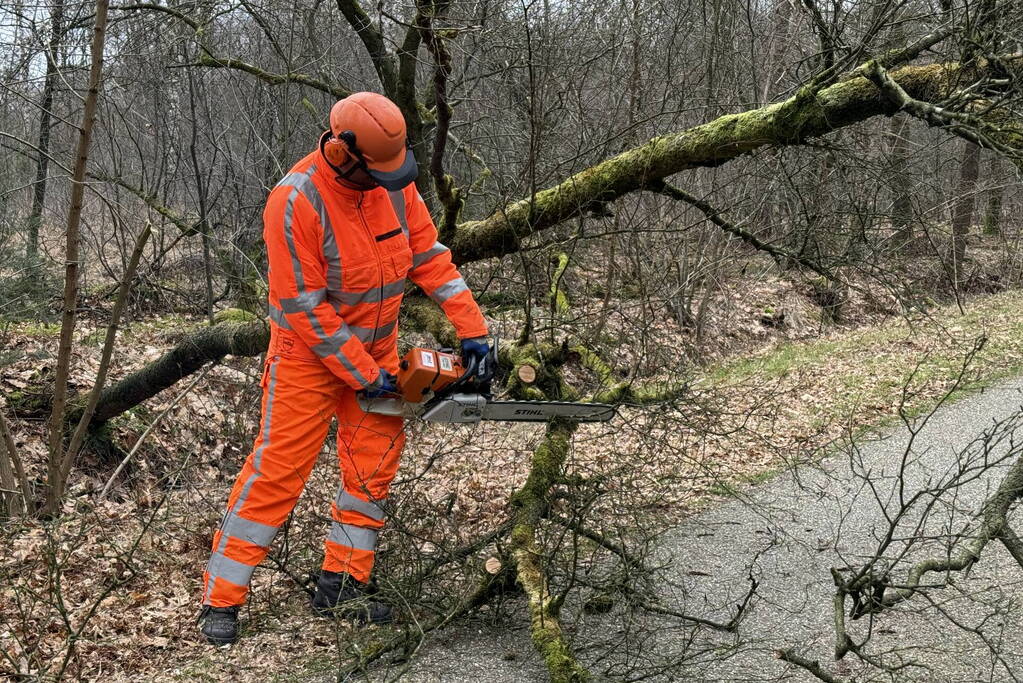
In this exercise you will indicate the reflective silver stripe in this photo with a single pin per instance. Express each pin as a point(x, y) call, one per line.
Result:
point(217, 558)
point(289, 237)
point(329, 346)
point(354, 371)
point(223, 567)
point(303, 182)
point(291, 179)
point(371, 334)
point(332, 344)
point(277, 315)
point(325, 349)
point(397, 198)
point(370, 296)
point(306, 301)
point(333, 258)
point(357, 537)
point(352, 503)
point(424, 256)
point(247, 530)
point(448, 290)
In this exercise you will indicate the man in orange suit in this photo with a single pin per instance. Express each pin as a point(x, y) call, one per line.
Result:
point(343, 230)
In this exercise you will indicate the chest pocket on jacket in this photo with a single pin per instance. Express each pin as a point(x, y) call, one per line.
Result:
point(400, 262)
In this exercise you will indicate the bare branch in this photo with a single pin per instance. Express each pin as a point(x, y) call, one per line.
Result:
point(715, 217)
point(214, 62)
point(811, 666)
point(373, 41)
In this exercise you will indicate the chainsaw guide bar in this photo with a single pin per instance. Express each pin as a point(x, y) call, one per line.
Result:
point(434, 387)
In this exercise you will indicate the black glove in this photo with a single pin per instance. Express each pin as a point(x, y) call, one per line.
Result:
point(384, 384)
point(474, 353)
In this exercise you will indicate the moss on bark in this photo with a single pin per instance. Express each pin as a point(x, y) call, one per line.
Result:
point(530, 502)
point(806, 115)
point(206, 345)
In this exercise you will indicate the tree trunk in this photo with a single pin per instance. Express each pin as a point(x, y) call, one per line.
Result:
point(962, 211)
point(56, 437)
point(800, 118)
point(35, 216)
point(208, 344)
point(993, 210)
point(899, 182)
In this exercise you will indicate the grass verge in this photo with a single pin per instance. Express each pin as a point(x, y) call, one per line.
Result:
point(824, 392)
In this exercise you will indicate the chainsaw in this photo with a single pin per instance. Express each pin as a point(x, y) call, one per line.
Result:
point(435, 386)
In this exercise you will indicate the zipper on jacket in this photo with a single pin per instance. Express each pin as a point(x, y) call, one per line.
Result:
point(380, 267)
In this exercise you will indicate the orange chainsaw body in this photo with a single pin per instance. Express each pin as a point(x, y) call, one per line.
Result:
point(423, 371)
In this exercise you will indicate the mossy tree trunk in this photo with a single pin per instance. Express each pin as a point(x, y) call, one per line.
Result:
point(531, 503)
point(207, 345)
point(808, 114)
point(805, 116)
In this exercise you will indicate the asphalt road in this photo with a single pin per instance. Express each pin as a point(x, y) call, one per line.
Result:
point(789, 532)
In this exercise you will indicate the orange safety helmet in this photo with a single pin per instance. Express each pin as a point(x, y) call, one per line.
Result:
point(369, 129)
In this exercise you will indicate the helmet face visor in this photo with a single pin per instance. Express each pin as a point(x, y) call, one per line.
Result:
point(400, 177)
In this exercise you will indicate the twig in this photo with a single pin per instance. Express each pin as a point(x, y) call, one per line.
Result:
point(729, 626)
point(214, 62)
point(958, 123)
point(601, 540)
point(11, 451)
point(993, 526)
point(810, 665)
point(488, 585)
point(715, 216)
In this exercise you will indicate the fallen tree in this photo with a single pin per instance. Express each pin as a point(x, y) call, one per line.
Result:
point(814, 111)
point(809, 114)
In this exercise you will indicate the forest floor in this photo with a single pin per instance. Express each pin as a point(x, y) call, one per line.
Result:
point(130, 566)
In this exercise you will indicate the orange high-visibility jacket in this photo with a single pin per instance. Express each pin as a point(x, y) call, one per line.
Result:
point(338, 262)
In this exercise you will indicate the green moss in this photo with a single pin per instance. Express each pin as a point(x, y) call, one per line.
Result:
point(557, 296)
point(595, 364)
point(29, 403)
point(234, 315)
point(561, 664)
point(39, 329)
point(546, 466)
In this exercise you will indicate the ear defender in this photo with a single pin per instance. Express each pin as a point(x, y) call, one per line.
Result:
point(335, 150)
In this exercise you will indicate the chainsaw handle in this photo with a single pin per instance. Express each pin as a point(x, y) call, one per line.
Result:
point(470, 372)
point(473, 374)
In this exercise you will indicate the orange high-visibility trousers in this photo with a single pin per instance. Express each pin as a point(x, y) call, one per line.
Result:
point(300, 395)
point(338, 261)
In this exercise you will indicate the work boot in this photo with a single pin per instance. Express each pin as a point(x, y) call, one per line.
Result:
point(219, 624)
point(344, 596)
